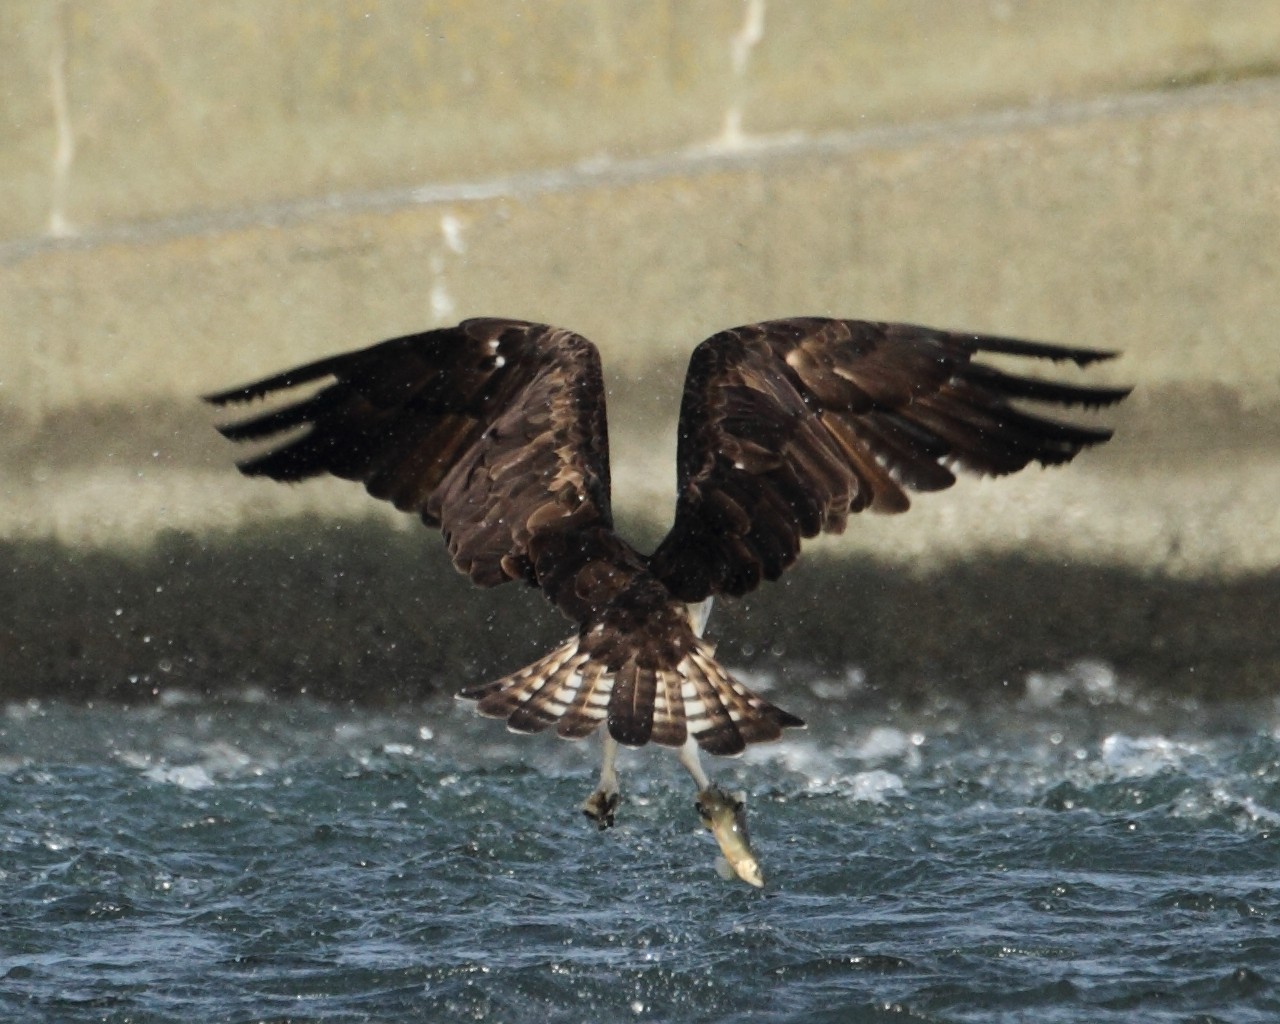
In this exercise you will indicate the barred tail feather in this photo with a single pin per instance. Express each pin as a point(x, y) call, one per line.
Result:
point(639, 703)
point(669, 721)
point(722, 714)
point(590, 704)
point(539, 695)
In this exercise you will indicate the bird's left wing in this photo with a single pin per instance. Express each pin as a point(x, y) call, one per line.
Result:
point(493, 430)
point(787, 427)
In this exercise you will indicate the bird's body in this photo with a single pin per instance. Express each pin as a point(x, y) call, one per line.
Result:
point(495, 432)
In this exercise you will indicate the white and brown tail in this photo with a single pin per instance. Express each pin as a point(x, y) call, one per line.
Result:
point(639, 704)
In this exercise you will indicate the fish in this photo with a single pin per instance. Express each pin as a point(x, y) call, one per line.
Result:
point(725, 815)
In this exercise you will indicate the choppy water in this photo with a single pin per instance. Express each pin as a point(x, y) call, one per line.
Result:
point(1074, 857)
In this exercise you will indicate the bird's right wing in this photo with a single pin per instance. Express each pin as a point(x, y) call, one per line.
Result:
point(789, 426)
point(493, 430)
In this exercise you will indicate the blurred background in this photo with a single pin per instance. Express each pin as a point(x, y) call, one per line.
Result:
point(195, 195)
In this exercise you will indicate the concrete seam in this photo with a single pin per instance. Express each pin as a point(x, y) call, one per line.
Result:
point(763, 152)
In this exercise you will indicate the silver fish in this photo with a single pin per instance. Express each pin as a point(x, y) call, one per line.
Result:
point(726, 816)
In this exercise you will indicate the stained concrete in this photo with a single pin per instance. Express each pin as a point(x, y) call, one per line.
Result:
point(172, 108)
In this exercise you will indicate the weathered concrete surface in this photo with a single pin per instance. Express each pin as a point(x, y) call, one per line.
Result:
point(163, 108)
point(1144, 221)
point(1148, 225)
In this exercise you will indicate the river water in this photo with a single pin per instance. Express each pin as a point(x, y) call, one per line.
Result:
point(1081, 854)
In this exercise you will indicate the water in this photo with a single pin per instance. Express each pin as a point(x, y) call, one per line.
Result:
point(1077, 856)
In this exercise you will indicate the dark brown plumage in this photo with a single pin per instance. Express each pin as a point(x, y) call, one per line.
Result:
point(495, 432)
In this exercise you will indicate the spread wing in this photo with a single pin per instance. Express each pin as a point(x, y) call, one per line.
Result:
point(493, 430)
point(787, 427)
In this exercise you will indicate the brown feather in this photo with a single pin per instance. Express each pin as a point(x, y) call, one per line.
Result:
point(590, 705)
point(576, 690)
point(631, 706)
point(877, 488)
point(493, 430)
point(856, 414)
point(669, 729)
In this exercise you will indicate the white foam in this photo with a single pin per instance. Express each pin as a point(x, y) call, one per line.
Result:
point(875, 786)
point(1094, 681)
point(836, 688)
point(1248, 805)
point(187, 776)
point(883, 742)
point(1141, 756)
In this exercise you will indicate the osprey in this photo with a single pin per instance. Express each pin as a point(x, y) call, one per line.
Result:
point(494, 432)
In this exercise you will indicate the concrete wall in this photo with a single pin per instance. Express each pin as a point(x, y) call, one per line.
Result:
point(174, 108)
point(195, 194)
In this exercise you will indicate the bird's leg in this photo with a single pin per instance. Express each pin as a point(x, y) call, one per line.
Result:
point(699, 614)
point(724, 814)
point(601, 804)
point(688, 757)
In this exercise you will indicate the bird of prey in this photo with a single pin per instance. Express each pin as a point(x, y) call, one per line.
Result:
point(494, 432)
